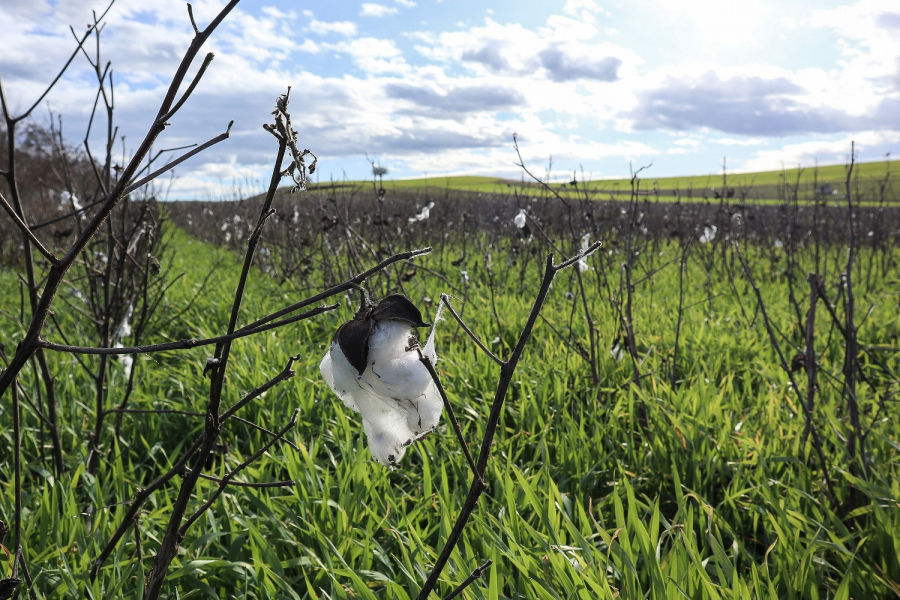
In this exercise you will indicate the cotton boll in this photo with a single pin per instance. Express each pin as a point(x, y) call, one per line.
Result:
point(709, 234)
point(124, 329)
point(126, 360)
point(519, 219)
point(422, 216)
point(582, 265)
point(127, 364)
point(385, 434)
point(394, 369)
point(617, 352)
point(383, 379)
point(386, 420)
point(340, 376)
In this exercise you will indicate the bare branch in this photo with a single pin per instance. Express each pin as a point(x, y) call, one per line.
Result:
point(456, 428)
point(171, 165)
point(21, 225)
point(191, 17)
point(84, 38)
point(187, 344)
point(476, 574)
point(206, 62)
point(225, 481)
point(343, 287)
point(248, 484)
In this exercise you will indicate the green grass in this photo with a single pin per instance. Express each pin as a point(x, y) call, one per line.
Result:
point(713, 500)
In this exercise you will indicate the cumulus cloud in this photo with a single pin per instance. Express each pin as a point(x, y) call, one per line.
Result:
point(888, 20)
point(558, 52)
point(373, 55)
point(369, 9)
point(582, 8)
point(456, 100)
point(345, 28)
point(562, 65)
point(748, 105)
point(871, 145)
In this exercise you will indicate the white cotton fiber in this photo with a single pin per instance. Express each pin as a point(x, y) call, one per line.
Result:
point(395, 395)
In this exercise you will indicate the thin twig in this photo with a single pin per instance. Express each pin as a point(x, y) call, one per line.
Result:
point(446, 300)
point(171, 165)
point(27, 231)
point(456, 428)
point(189, 343)
point(247, 484)
point(810, 356)
point(343, 287)
point(476, 574)
point(264, 430)
point(817, 442)
point(206, 62)
point(507, 371)
point(225, 481)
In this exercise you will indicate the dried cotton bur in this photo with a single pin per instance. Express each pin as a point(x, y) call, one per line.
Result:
point(373, 366)
point(298, 170)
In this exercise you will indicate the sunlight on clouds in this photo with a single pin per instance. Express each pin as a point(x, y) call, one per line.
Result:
point(582, 9)
point(718, 22)
point(550, 53)
point(870, 48)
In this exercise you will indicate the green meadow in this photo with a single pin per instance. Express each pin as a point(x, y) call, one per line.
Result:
point(688, 486)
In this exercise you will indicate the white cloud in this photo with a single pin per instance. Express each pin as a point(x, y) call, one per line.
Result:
point(553, 52)
point(582, 11)
point(869, 32)
point(406, 3)
point(718, 24)
point(345, 28)
point(369, 9)
point(870, 145)
point(737, 142)
point(373, 55)
point(575, 7)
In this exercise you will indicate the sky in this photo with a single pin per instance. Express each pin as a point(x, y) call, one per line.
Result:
point(428, 88)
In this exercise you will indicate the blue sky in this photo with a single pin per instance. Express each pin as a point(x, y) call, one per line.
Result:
point(433, 88)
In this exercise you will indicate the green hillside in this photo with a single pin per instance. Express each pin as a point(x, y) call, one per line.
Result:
point(868, 173)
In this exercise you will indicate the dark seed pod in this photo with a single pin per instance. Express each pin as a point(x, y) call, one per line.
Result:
point(353, 336)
